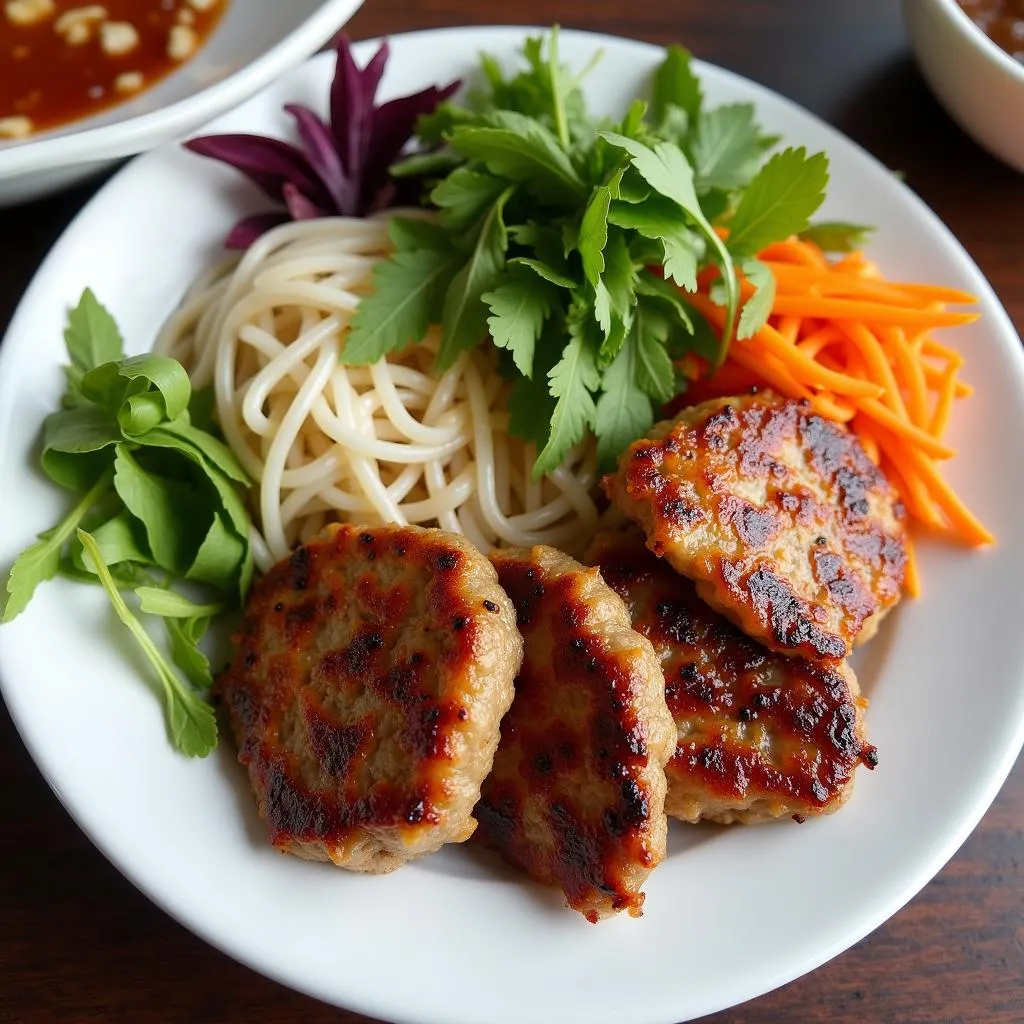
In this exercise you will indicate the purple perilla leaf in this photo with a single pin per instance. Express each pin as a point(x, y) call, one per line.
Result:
point(352, 94)
point(248, 229)
point(342, 168)
point(300, 207)
point(268, 163)
point(393, 124)
point(323, 157)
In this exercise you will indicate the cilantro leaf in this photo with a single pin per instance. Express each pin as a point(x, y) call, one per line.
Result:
point(464, 317)
point(593, 232)
point(837, 236)
point(617, 287)
point(521, 149)
point(519, 306)
point(676, 85)
point(190, 720)
point(758, 307)
point(408, 291)
point(653, 371)
point(530, 408)
point(657, 218)
point(779, 201)
point(424, 165)
point(572, 380)
point(464, 197)
point(555, 77)
point(726, 147)
point(545, 90)
point(666, 169)
point(40, 561)
point(667, 297)
point(544, 271)
point(408, 233)
point(623, 411)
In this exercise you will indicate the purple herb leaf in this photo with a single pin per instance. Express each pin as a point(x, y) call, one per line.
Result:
point(268, 163)
point(300, 207)
point(323, 157)
point(343, 168)
point(393, 124)
point(248, 229)
point(352, 95)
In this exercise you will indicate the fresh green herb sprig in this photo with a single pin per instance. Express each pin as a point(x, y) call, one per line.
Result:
point(571, 241)
point(159, 504)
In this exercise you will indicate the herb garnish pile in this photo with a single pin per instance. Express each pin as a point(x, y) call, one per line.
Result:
point(159, 502)
point(571, 241)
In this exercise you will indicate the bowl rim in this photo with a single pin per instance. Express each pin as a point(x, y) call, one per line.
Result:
point(131, 135)
point(975, 35)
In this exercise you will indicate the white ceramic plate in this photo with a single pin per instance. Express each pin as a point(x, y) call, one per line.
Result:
point(455, 938)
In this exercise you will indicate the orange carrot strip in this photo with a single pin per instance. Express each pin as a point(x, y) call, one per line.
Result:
point(911, 488)
point(832, 408)
point(857, 263)
point(833, 281)
point(801, 367)
point(944, 405)
point(877, 365)
point(868, 312)
point(911, 575)
point(771, 372)
point(959, 515)
point(789, 328)
point(920, 439)
point(820, 339)
point(930, 347)
point(910, 369)
point(869, 444)
point(794, 251)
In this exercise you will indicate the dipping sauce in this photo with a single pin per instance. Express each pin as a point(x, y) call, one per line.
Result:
point(1001, 20)
point(61, 60)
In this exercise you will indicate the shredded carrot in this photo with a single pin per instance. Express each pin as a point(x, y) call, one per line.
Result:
point(867, 312)
point(912, 577)
point(860, 350)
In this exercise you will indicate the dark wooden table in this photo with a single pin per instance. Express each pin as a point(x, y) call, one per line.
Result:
point(78, 943)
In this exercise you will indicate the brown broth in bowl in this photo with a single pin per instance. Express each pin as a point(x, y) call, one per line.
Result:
point(62, 60)
point(1001, 20)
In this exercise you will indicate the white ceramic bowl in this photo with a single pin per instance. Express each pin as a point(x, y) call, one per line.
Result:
point(980, 84)
point(255, 42)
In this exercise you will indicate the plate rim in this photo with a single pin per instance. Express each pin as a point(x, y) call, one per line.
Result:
point(362, 1002)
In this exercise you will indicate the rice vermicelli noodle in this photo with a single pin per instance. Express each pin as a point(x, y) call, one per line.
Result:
point(395, 442)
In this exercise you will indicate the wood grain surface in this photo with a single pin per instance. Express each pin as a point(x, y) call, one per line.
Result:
point(78, 943)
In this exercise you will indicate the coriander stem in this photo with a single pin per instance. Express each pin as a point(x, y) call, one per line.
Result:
point(561, 126)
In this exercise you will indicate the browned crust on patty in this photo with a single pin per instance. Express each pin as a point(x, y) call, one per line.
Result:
point(370, 675)
point(778, 515)
point(759, 735)
point(577, 793)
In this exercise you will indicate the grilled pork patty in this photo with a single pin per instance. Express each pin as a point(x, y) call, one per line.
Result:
point(779, 516)
point(577, 793)
point(369, 679)
point(759, 735)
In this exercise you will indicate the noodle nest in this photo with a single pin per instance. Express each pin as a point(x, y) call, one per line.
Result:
point(394, 442)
